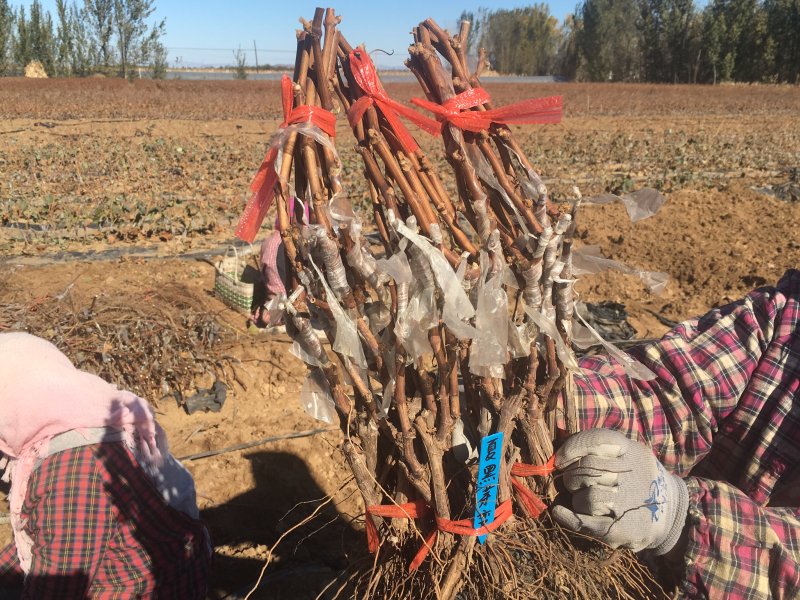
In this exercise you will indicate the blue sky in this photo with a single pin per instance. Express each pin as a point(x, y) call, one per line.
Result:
point(218, 27)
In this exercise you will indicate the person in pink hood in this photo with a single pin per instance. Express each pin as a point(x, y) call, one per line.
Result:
point(99, 507)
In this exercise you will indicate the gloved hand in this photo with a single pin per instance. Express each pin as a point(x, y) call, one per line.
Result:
point(621, 494)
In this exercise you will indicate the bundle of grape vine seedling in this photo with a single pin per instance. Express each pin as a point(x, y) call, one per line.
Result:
point(449, 365)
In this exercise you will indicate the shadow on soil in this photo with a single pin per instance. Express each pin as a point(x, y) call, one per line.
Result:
point(305, 561)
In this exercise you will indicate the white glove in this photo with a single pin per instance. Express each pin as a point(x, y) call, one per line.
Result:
point(621, 494)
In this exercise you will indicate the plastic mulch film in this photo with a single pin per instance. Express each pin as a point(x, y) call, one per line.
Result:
point(347, 341)
point(464, 447)
point(316, 399)
point(378, 315)
point(489, 352)
point(297, 350)
point(413, 337)
point(640, 204)
point(633, 368)
point(445, 276)
point(588, 261)
point(422, 308)
point(459, 328)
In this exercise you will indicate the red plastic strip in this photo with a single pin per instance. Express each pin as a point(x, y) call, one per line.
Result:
point(423, 551)
point(537, 110)
point(410, 510)
point(367, 79)
point(531, 501)
point(523, 470)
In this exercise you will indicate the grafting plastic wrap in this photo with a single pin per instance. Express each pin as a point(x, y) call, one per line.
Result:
point(440, 342)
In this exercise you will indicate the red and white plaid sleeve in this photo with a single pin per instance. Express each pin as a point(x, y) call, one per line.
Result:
point(722, 409)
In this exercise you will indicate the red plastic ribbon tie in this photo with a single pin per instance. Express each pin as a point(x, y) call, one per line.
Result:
point(531, 501)
point(410, 510)
point(367, 79)
point(537, 110)
point(523, 470)
point(421, 508)
point(263, 186)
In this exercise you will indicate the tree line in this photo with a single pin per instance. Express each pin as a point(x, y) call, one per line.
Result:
point(112, 37)
point(659, 41)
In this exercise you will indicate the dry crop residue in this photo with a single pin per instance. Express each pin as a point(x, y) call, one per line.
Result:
point(141, 177)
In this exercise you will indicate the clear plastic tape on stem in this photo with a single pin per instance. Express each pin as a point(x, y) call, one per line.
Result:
point(275, 308)
point(407, 327)
point(361, 259)
point(329, 250)
point(589, 261)
point(347, 341)
point(340, 210)
point(445, 276)
point(548, 327)
point(640, 204)
point(489, 352)
point(389, 354)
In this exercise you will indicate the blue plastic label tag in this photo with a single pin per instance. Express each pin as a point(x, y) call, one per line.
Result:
point(488, 478)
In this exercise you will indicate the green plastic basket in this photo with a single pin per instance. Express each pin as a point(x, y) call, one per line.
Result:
point(230, 285)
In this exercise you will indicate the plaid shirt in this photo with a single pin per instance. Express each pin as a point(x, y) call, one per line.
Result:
point(101, 530)
point(722, 414)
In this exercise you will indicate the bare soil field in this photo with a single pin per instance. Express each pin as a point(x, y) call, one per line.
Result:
point(101, 168)
point(62, 99)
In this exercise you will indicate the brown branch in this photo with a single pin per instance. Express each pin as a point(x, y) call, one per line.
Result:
point(435, 455)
